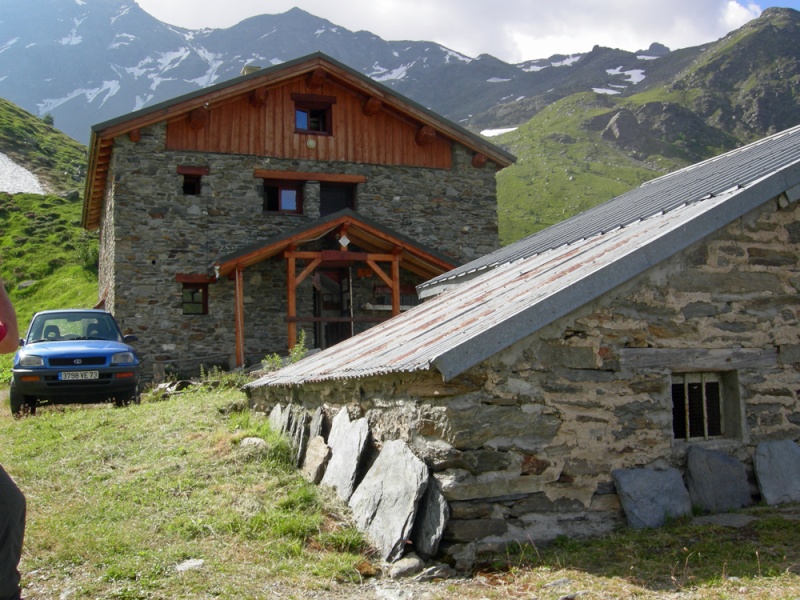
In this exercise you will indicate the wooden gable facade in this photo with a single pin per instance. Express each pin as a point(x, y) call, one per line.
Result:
point(176, 186)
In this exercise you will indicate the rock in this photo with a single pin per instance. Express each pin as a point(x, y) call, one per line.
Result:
point(431, 520)
point(253, 442)
point(347, 443)
point(717, 482)
point(317, 456)
point(777, 466)
point(439, 571)
point(650, 497)
point(189, 565)
point(409, 565)
point(297, 432)
point(275, 417)
point(385, 503)
point(317, 425)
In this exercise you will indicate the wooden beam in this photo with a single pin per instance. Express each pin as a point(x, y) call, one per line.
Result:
point(307, 271)
point(291, 299)
point(258, 98)
point(189, 170)
point(316, 78)
point(396, 286)
point(135, 135)
point(308, 176)
point(698, 359)
point(380, 273)
point(425, 135)
point(479, 160)
point(198, 118)
point(239, 316)
point(372, 106)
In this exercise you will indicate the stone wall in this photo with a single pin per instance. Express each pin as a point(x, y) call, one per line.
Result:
point(524, 444)
point(152, 231)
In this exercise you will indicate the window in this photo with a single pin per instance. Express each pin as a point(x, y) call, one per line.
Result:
point(195, 298)
point(312, 113)
point(698, 406)
point(192, 179)
point(191, 185)
point(283, 196)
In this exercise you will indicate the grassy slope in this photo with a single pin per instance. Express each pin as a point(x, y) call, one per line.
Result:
point(58, 160)
point(118, 498)
point(563, 168)
point(46, 259)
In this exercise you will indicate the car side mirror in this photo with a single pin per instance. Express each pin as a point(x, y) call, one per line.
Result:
point(130, 338)
point(21, 342)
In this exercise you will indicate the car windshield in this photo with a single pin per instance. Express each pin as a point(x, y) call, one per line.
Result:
point(53, 327)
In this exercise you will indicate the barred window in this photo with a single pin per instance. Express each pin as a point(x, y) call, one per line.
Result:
point(697, 406)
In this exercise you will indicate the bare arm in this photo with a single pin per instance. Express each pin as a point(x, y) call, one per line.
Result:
point(8, 317)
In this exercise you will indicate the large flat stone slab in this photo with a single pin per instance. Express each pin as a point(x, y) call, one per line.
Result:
point(316, 459)
point(777, 466)
point(347, 442)
point(717, 482)
point(649, 497)
point(432, 517)
point(385, 503)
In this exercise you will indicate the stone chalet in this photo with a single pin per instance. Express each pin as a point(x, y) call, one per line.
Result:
point(303, 195)
point(662, 321)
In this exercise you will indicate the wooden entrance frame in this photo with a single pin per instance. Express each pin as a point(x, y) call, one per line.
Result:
point(380, 245)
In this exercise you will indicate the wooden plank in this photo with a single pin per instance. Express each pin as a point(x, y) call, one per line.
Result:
point(698, 359)
point(308, 176)
point(239, 316)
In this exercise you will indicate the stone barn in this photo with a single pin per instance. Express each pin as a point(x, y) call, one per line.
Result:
point(532, 380)
point(299, 196)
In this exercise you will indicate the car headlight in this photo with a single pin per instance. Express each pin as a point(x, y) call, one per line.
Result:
point(123, 358)
point(31, 360)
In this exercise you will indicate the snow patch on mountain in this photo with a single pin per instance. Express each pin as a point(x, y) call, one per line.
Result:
point(497, 80)
point(15, 179)
point(120, 40)
point(122, 13)
point(110, 87)
point(634, 76)
point(567, 61)
point(448, 54)
point(8, 44)
point(381, 74)
point(215, 61)
point(73, 39)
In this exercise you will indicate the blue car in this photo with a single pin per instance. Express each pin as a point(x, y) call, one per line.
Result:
point(74, 355)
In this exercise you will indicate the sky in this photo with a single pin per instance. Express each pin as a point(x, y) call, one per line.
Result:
point(511, 30)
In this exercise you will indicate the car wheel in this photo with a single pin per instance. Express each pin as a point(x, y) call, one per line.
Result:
point(127, 398)
point(15, 399)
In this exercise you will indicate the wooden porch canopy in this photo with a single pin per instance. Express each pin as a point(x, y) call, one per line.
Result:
point(376, 244)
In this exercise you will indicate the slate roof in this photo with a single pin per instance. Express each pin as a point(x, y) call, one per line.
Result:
point(517, 290)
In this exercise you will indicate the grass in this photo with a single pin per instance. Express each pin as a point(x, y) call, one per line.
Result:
point(119, 498)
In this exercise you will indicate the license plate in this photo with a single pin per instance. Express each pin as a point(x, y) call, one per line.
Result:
point(73, 375)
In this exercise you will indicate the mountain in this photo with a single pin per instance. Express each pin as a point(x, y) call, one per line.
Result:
point(87, 61)
point(587, 148)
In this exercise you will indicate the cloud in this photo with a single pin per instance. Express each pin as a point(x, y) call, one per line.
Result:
point(513, 30)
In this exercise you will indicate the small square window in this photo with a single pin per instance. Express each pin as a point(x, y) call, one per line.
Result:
point(195, 299)
point(283, 196)
point(192, 184)
point(313, 113)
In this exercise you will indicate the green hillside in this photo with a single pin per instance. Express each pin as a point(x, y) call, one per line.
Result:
point(587, 148)
point(46, 259)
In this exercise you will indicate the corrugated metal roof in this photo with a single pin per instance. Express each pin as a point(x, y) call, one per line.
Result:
point(691, 184)
point(528, 289)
